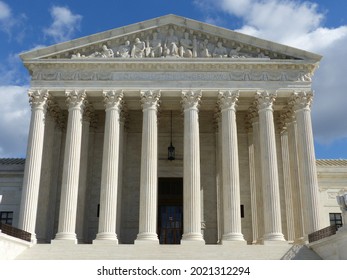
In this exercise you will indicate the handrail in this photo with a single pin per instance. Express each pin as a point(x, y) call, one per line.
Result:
point(15, 232)
point(322, 233)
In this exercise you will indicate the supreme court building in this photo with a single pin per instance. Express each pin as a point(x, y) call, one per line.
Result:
point(170, 131)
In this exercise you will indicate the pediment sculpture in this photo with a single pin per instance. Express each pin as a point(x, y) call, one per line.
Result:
point(170, 44)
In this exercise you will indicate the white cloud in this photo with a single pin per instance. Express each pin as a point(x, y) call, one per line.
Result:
point(5, 11)
point(64, 25)
point(14, 121)
point(300, 24)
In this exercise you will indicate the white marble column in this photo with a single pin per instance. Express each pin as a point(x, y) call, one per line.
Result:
point(219, 174)
point(191, 170)
point(271, 195)
point(69, 190)
point(149, 170)
point(295, 178)
point(83, 176)
point(32, 171)
point(307, 161)
point(230, 165)
point(109, 177)
point(287, 180)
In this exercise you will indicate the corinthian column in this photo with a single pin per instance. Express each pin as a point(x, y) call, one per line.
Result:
point(271, 195)
point(230, 165)
point(32, 172)
point(149, 169)
point(191, 170)
point(70, 179)
point(307, 161)
point(109, 177)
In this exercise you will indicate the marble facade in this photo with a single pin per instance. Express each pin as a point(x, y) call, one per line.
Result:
point(105, 107)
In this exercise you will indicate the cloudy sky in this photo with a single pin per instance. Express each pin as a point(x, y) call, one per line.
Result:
point(317, 26)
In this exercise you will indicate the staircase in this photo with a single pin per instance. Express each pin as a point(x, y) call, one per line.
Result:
point(167, 252)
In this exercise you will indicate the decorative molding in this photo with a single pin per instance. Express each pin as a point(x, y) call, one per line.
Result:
point(170, 72)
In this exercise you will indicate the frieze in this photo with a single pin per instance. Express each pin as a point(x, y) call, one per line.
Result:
point(240, 75)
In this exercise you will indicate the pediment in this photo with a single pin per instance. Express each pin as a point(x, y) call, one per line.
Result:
point(169, 37)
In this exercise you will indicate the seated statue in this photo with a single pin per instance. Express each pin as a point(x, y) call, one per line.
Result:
point(138, 49)
point(124, 50)
point(154, 47)
point(171, 44)
point(220, 51)
point(235, 53)
point(204, 51)
point(104, 53)
point(186, 48)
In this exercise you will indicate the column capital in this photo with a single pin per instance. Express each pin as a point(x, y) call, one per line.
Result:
point(38, 98)
point(265, 100)
point(76, 99)
point(150, 99)
point(113, 99)
point(302, 100)
point(191, 99)
point(228, 99)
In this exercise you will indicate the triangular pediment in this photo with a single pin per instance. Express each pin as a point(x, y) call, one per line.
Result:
point(170, 37)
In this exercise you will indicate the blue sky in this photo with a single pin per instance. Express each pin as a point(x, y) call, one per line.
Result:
point(316, 26)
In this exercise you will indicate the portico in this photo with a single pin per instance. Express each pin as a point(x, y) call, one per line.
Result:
point(229, 113)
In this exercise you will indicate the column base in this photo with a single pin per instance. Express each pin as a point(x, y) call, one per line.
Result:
point(233, 238)
point(192, 239)
point(147, 238)
point(274, 236)
point(106, 238)
point(66, 237)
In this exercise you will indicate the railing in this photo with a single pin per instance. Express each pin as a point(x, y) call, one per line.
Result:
point(15, 232)
point(322, 233)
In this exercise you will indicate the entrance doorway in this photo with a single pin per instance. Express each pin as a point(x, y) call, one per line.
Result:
point(170, 210)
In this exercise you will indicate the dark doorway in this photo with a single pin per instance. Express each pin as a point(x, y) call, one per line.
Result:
point(170, 210)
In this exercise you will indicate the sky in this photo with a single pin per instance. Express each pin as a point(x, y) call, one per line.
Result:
point(317, 26)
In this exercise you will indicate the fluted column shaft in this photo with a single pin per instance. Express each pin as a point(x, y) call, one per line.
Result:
point(70, 179)
point(149, 169)
point(307, 161)
point(191, 169)
point(294, 171)
point(287, 180)
point(271, 195)
point(32, 172)
point(230, 165)
point(109, 177)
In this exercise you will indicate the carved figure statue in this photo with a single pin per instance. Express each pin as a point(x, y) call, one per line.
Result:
point(262, 55)
point(186, 48)
point(104, 53)
point(220, 51)
point(235, 53)
point(172, 43)
point(154, 47)
point(204, 51)
point(124, 50)
point(138, 49)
